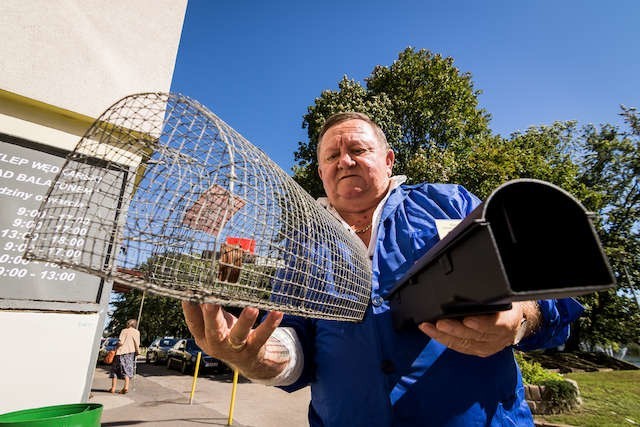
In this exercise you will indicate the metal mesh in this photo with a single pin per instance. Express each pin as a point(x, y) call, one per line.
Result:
point(162, 195)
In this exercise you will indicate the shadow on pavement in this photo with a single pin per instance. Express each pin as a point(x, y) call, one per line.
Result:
point(146, 370)
point(203, 421)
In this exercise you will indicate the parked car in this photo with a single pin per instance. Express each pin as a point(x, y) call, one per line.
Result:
point(184, 353)
point(158, 349)
point(107, 345)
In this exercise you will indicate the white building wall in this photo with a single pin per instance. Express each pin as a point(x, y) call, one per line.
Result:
point(62, 63)
point(82, 55)
point(45, 358)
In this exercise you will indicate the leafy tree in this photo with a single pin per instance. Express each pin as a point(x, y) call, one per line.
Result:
point(161, 316)
point(541, 152)
point(434, 102)
point(610, 319)
point(610, 165)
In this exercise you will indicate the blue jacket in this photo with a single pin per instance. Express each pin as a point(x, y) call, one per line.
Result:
point(369, 374)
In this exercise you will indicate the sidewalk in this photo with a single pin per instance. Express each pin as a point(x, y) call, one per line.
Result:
point(159, 396)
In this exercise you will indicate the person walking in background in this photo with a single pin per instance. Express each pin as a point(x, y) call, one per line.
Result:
point(123, 366)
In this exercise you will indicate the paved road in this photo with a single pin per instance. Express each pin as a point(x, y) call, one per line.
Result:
point(161, 397)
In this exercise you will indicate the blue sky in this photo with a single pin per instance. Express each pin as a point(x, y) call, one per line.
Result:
point(258, 65)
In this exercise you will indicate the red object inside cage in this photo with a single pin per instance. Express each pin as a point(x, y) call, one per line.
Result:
point(248, 245)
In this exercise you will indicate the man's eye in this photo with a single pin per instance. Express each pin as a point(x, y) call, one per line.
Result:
point(332, 156)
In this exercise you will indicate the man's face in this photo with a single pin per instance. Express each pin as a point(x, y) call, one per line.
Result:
point(354, 166)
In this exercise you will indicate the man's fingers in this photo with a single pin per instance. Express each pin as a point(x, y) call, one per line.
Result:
point(462, 345)
point(194, 319)
point(457, 329)
point(216, 326)
point(481, 323)
point(240, 331)
point(220, 333)
point(460, 340)
point(434, 333)
point(262, 333)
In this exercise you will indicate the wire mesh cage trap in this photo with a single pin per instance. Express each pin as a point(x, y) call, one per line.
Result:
point(162, 195)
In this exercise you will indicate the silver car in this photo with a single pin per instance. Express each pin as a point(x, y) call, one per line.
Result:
point(157, 350)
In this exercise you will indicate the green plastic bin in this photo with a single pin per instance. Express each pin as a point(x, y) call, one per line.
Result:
point(72, 415)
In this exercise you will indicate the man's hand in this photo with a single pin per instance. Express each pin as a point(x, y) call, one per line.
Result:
point(222, 335)
point(484, 335)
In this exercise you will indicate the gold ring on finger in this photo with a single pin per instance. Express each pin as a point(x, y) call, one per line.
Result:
point(236, 347)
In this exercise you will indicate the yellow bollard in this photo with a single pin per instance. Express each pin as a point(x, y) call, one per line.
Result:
point(195, 377)
point(233, 397)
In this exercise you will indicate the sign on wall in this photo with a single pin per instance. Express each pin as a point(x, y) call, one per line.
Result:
point(27, 169)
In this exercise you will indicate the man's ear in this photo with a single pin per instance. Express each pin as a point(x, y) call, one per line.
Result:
point(391, 157)
point(320, 172)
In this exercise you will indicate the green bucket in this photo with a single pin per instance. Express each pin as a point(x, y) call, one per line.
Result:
point(73, 415)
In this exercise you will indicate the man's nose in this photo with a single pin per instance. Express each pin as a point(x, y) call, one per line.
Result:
point(345, 160)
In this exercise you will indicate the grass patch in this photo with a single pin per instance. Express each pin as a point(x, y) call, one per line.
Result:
point(608, 399)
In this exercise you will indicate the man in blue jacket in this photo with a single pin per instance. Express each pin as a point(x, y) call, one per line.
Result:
point(454, 372)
